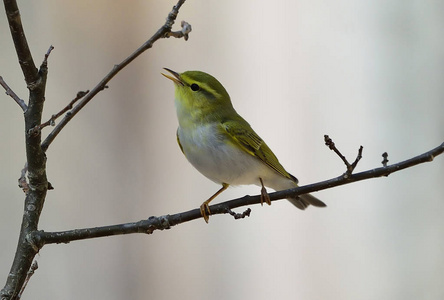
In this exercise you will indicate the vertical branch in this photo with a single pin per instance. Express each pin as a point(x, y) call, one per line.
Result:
point(36, 160)
point(21, 45)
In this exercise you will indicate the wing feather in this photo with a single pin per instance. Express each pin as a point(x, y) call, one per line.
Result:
point(178, 141)
point(242, 133)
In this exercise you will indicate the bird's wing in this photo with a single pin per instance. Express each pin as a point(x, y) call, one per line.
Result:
point(244, 136)
point(178, 141)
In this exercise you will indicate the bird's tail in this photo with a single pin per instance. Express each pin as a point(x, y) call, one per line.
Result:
point(303, 201)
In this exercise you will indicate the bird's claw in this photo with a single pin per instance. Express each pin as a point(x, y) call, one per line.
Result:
point(204, 208)
point(264, 195)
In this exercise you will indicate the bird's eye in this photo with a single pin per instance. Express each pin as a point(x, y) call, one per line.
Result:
point(195, 87)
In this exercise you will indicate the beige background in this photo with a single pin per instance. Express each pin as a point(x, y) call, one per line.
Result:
point(364, 72)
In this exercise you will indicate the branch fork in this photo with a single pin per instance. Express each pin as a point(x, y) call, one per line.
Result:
point(186, 29)
point(51, 121)
point(350, 167)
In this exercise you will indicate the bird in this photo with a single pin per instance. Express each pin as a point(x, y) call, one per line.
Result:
point(221, 144)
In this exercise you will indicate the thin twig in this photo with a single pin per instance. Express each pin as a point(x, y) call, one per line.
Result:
point(45, 60)
point(237, 216)
point(13, 95)
point(31, 272)
point(350, 167)
point(40, 238)
point(53, 118)
point(161, 33)
point(358, 158)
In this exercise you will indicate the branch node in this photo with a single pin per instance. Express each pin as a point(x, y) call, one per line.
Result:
point(385, 160)
point(22, 182)
point(34, 241)
point(164, 222)
point(50, 186)
point(151, 229)
point(34, 85)
point(158, 223)
point(350, 167)
point(236, 216)
point(81, 94)
point(186, 29)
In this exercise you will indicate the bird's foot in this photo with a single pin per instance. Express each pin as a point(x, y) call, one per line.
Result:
point(264, 194)
point(204, 208)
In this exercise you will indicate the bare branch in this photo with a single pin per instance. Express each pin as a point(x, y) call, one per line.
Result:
point(350, 167)
point(37, 184)
point(40, 238)
point(161, 33)
point(13, 95)
point(53, 118)
point(237, 216)
point(21, 44)
point(31, 272)
point(45, 60)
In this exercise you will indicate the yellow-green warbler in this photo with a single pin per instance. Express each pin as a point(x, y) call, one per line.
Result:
point(221, 145)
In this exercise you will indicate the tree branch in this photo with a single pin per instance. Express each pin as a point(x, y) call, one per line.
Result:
point(163, 32)
point(37, 184)
point(41, 238)
point(36, 159)
point(31, 272)
point(35, 190)
point(350, 167)
point(13, 95)
point(54, 117)
point(21, 44)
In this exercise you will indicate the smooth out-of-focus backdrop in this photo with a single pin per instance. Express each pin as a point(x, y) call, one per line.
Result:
point(367, 73)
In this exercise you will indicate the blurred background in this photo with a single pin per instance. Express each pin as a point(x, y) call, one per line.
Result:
point(366, 73)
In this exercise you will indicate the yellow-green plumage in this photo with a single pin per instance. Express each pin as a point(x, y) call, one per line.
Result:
point(220, 144)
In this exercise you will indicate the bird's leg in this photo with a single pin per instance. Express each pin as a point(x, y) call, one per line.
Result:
point(204, 208)
point(264, 195)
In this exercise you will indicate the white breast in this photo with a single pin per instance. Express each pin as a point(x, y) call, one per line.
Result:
point(213, 155)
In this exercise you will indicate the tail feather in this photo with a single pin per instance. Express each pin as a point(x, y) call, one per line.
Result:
point(303, 201)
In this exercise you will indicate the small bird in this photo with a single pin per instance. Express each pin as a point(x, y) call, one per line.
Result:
point(221, 145)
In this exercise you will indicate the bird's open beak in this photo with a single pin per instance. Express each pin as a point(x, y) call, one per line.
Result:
point(176, 79)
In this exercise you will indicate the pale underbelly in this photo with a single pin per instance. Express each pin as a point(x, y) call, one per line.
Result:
point(223, 162)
